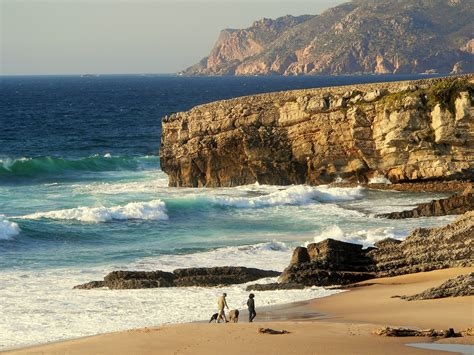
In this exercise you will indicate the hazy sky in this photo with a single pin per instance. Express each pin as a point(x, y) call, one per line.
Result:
point(135, 36)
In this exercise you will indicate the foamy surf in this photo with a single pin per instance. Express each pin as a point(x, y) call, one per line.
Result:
point(273, 255)
point(8, 229)
point(153, 210)
point(51, 310)
point(293, 195)
point(366, 237)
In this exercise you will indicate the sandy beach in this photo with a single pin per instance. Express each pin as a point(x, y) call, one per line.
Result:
point(342, 324)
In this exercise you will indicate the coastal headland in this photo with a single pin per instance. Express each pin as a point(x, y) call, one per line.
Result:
point(411, 135)
point(405, 132)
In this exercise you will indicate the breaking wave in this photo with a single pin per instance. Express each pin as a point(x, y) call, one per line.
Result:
point(294, 195)
point(366, 237)
point(51, 166)
point(8, 229)
point(153, 210)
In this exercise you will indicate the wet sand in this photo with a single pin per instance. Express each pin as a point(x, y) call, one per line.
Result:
point(338, 324)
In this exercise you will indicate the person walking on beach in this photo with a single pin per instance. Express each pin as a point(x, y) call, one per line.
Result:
point(221, 303)
point(251, 307)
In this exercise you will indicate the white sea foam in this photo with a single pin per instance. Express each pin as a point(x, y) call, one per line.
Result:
point(271, 255)
point(366, 237)
point(51, 310)
point(155, 182)
point(8, 229)
point(380, 179)
point(293, 195)
point(153, 210)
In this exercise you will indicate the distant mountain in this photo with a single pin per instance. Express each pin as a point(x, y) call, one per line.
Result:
point(363, 36)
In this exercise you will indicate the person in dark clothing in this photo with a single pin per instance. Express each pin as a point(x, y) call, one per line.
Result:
point(251, 307)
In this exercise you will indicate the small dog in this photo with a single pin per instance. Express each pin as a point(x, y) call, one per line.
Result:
point(234, 315)
point(213, 318)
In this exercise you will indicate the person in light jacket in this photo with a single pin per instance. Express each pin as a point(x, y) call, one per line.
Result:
point(221, 303)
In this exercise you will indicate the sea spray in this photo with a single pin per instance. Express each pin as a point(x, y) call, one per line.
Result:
point(8, 229)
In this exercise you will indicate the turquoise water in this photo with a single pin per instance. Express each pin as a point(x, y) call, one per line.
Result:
point(82, 194)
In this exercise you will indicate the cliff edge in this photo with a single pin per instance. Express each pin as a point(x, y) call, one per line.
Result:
point(406, 131)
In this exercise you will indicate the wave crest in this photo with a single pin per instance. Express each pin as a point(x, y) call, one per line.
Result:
point(51, 166)
point(8, 229)
point(153, 210)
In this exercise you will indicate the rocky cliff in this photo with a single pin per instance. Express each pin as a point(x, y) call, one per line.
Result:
point(363, 36)
point(334, 262)
point(455, 204)
point(406, 131)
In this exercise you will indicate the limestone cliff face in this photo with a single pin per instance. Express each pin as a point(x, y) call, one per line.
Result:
point(406, 131)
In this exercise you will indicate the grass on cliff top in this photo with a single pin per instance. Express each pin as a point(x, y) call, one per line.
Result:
point(444, 92)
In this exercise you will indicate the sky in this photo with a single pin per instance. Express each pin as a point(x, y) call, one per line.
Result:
point(120, 37)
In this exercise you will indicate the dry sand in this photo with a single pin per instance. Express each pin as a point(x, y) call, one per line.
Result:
point(346, 328)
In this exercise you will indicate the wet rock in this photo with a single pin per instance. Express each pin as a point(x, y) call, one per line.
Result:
point(310, 274)
point(456, 204)
point(275, 286)
point(118, 280)
point(462, 285)
point(300, 255)
point(205, 277)
point(216, 276)
point(90, 285)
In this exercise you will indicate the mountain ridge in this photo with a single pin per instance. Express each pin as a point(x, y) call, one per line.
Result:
point(359, 37)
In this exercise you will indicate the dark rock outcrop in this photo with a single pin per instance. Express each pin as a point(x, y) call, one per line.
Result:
point(138, 279)
point(456, 204)
point(275, 286)
point(216, 276)
point(331, 262)
point(338, 263)
point(204, 277)
point(383, 37)
point(406, 131)
point(90, 285)
point(462, 285)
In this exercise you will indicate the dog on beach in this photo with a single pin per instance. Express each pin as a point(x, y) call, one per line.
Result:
point(213, 318)
point(234, 315)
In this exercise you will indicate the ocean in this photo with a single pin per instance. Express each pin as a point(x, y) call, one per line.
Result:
point(82, 194)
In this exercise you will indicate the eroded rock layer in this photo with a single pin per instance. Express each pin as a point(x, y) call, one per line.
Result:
point(406, 131)
point(462, 285)
point(456, 204)
point(332, 262)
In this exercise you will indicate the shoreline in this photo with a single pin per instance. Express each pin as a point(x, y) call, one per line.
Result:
point(352, 315)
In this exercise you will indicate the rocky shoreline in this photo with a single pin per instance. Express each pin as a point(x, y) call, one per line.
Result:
point(455, 204)
point(327, 263)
